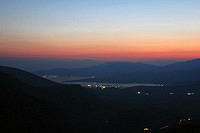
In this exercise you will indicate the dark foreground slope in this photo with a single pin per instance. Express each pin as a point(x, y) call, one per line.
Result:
point(32, 104)
point(21, 112)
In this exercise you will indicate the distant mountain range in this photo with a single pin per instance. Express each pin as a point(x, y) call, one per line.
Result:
point(126, 72)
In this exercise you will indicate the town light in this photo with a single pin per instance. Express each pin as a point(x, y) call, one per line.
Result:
point(89, 85)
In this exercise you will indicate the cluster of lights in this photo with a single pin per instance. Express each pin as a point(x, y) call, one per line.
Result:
point(182, 120)
point(102, 86)
point(170, 93)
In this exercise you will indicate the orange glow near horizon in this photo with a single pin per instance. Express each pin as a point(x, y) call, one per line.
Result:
point(101, 54)
point(103, 47)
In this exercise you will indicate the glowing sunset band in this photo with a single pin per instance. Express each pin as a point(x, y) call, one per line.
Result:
point(102, 54)
point(102, 47)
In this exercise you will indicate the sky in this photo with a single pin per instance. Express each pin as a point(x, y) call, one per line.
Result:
point(100, 29)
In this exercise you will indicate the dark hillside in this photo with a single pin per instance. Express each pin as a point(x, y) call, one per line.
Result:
point(27, 106)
